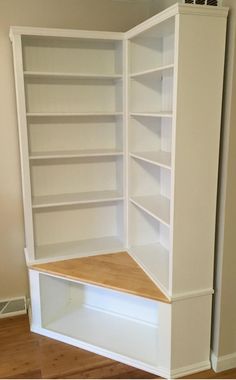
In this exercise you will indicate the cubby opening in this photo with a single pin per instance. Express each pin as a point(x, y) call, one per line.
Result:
point(59, 134)
point(149, 244)
point(150, 139)
point(60, 179)
point(150, 189)
point(73, 95)
point(153, 48)
point(113, 321)
point(78, 230)
point(72, 55)
point(152, 96)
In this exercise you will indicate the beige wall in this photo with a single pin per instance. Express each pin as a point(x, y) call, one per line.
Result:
point(78, 14)
point(224, 327)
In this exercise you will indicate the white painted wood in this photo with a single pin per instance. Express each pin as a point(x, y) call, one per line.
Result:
point(64, 33)
point(63, 176)
point(79, 248)
point(152, 114)
point(39, 74)
point(155, 73)
point(72, 114)
point(22, 123)
point(154, 259)
point(155, 205)
point(45, 201)
point(197, 135)
point(160, 158)
point(75, 154)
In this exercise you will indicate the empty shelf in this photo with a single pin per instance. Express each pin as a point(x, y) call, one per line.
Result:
point(160, 158)
point(151, 114)
point(75, 199)
point(72, 114)
point(75, 154)
point(154, 259)
point(78, 248)
point(155, 205)
point(157, 72)
point(41, 74)
point(117, 271)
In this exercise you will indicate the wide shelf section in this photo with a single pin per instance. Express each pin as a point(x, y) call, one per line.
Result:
point(117, 271)
point(64, 75)
point(156, 73)
point(157, 206)
point(57, 200)
point(159, 158)
point(154, 259)
point(78, 248)
point(75, 154)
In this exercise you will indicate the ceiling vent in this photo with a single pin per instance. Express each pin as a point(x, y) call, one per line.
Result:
point(204, 2)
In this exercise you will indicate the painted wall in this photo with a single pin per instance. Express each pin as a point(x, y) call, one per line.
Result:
point(110, 15)
point(224, 327)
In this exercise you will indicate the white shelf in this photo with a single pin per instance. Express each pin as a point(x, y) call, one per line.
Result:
point(155, 205)
point(157, 72)
point(75, 154)
point(109, 331)
point(72, 114)
point(75, 199)
point(160, 158)
point(154, 259)
point(79, 248)
point(41, 74)
point(152, 114)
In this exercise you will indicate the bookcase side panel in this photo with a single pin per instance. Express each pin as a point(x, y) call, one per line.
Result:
point(201, 47)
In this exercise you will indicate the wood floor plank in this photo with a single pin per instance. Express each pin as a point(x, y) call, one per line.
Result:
point(31, 356)
point(117, 271)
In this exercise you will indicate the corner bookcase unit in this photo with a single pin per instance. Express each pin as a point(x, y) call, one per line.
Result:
point(119, 140)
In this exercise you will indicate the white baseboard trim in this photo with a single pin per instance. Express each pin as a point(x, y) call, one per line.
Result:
point(189, 370)
point(223, 363)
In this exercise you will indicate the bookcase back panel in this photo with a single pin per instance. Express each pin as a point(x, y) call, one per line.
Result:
point(70, 224)
point(147, 179)
point(68, 55)
point(73, 95)
point(76, 175)
point(150, 95)
point(153, 48)
point(74, 133)
point(150, 134)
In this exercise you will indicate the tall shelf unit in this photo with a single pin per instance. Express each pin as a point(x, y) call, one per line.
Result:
point(119, 139)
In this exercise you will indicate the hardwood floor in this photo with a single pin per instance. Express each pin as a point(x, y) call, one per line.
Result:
point(24, 355)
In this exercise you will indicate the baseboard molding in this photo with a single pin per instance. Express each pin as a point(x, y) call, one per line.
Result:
point(189, 370)
point(223, 363)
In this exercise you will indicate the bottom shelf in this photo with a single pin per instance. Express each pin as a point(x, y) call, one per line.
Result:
point(113, 333)
point(154, 260)
point(79, 248)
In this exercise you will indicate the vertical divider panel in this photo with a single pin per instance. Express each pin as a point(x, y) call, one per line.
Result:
point(126, 138)
point(24, 147)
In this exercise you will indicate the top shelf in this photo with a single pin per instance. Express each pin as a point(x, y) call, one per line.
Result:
point(63, 75)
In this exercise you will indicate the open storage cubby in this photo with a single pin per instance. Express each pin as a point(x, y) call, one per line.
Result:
point(71, 133)
point(120, 323)
point(153, 49)
point(149, 242)
point(77, 230)
point(58, 55)
point(115, 131)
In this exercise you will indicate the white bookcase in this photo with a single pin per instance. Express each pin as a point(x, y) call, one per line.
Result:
point(119, 139)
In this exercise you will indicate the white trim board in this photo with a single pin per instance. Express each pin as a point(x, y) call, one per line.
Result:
point(223, 363)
